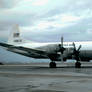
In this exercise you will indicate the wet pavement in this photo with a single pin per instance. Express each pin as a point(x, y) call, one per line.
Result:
point(15, 78)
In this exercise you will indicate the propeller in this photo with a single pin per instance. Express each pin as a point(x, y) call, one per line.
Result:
point(61, 48)
point(76, 51)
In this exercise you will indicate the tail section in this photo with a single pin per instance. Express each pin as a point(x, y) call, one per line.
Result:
point(15, 37)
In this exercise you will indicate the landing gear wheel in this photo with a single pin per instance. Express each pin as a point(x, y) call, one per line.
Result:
point(77, 65)
point(52, 65)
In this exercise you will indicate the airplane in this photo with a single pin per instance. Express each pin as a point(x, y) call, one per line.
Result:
point(55, 51)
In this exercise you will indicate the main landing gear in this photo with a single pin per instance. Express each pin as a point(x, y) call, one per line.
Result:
point(77, 64)
point(52, 64)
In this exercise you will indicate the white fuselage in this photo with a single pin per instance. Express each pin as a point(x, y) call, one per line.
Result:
point(87, 45)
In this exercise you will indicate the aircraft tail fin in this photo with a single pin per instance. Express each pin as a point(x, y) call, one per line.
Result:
point(15, 37)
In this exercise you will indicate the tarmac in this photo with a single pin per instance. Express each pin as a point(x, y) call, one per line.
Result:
point(38, 77)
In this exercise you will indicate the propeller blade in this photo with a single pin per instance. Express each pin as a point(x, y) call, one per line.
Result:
point(61, 48)
point(76, 52)
point(79, 48)
point(74, 45)
point(61, 57)
point(62, 41)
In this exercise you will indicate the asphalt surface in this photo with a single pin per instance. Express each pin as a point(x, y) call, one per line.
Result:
point(38, 77)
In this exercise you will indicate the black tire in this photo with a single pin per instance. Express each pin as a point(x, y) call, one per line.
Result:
point(77, 65)
point(1, 63)
point(52, 65)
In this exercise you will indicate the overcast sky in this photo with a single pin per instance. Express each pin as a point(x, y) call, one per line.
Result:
point(46, 20)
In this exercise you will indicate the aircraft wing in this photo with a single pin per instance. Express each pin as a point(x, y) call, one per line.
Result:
point(25, 51)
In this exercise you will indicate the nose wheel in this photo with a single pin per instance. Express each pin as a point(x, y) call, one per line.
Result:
point(77, 64)
point(52, 65)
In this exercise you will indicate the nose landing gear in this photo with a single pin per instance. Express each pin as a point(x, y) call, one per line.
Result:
point(77, 64)
point(52, 64)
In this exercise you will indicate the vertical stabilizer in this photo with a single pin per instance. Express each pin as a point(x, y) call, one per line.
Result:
point(14, 37)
